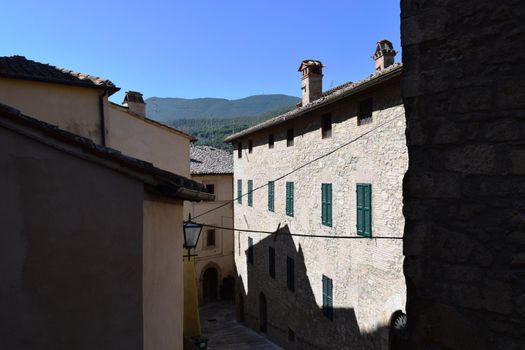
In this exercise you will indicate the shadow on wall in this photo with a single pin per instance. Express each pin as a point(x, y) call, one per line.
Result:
point(289, 313)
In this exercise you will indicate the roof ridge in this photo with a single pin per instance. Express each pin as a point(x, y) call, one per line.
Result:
point(325, 98)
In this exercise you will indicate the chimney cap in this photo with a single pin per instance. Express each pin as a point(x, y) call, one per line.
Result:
point(309, 63)
point(133, 96)
point(384, 48)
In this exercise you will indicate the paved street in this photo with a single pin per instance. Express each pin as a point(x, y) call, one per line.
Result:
point(224, 333)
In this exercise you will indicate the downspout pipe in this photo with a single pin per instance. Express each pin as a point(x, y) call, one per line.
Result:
point(102, 117)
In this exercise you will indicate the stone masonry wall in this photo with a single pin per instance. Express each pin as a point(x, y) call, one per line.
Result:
point(368, 285)
point(464, 192)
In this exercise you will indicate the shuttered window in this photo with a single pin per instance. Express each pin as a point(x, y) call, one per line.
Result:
point(328, 310)
point(271, 196)
point(364, 210)
point(271, 261)
point(326, 204)
point(290, 273)
point(250, 250)
point(239, 191)
point(250, 193)
point(289, 198)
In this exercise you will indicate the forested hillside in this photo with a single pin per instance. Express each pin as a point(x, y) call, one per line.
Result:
point(213, 131)
point(172, 108)
point(210, 120)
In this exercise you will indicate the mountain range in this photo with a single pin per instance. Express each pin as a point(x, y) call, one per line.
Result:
point(210, 120)
point(172, 108)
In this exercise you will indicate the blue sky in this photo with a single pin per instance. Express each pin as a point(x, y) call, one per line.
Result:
point(201, 48)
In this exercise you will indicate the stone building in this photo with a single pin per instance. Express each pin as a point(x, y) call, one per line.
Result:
point(332, 167)
point(214, 266)
point(463, 88)
point(91, 243)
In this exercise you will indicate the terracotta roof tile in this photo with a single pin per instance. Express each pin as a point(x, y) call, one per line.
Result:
point(19, 67)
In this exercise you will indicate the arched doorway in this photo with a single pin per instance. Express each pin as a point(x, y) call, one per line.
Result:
point(263, 313)
point(210, 285)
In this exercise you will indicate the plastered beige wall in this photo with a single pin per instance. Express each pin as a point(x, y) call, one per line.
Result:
point(135, 137)
point(75, 109)
point(220, 255)
point(163, 275)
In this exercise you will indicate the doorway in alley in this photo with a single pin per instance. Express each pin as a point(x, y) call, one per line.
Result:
point(210, 285)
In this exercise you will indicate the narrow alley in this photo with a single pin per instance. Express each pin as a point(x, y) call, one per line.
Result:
point(225, 333)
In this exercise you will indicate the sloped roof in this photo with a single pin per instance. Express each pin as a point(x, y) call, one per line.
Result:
point(327, 97)
point(207, 160)
point(125, 109)
point(19, 67)
point(156, 180)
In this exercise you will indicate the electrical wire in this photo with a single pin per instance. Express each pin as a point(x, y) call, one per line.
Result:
point(276, 233)
point(302, 166)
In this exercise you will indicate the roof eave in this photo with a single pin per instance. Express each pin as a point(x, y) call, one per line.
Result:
point(110, 89)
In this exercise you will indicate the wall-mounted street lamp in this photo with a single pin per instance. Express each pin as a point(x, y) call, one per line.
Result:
point(192, 232)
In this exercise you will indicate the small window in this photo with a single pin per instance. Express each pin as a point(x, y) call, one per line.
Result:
point(289, 137)
point(364, 210)
point(290, 274)
point(250, 146)
point(271, 261)
point(271, 196)
point(289, 198)
point(239, 150)
point(250, 250)
point(326, 127)
point(271, 140)
point(328, 298)
point(326, 204)
point(364, 115)
point(291, 335)
point(210, 188)
point(239, 191)
point(250, 193)
point(210, 238)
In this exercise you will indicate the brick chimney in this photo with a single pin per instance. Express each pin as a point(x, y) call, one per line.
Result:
point(135, 103)
point(311, 80)
point(384, 55)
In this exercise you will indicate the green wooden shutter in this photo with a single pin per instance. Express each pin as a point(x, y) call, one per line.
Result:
point(326, 204)
point(289, 198)
point(250, 250)
point(271, 195)
point(367, 203)
point(239, 191)
point(327, 297)
point(250, 193)
point(271, 261)
point(290, 273)
point(364, 209)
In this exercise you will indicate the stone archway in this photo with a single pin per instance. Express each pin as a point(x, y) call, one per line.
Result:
point(210, 284)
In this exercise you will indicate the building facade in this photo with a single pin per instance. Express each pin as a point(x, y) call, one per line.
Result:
point(329, 175)
point(77, 105)
point(91, 243)
point(214, 265)
point(464, 193)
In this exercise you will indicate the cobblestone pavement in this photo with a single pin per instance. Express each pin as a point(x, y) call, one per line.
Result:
point(224, 333)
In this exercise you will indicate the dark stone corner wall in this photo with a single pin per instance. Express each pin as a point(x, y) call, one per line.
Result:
point(464, 192)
